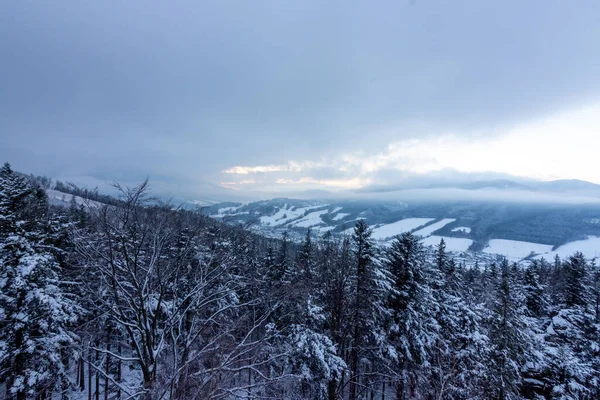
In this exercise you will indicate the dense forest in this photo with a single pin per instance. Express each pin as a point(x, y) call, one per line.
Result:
point(133, 298)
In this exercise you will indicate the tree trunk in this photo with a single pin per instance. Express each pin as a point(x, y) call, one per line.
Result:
point(64, 384)
point(107, 365)
point(331, 390)
point(19, 363)
point(119, 349)
point(81, 373)
point(90, 371)
point(97, 377)
point(400, 389)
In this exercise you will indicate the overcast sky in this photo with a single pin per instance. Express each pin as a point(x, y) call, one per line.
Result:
point(211, 98)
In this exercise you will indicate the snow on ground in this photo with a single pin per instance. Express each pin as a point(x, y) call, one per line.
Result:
point(452, 244)
point(221, 212)
point(464, 229)
point(590, 248)
point(285, 214)
point(312, 219)
point(64, 199)
point(428, 230)
point(131, 382)
point(515, 250)
point(347, 231)
point(323, 229)
point(336, 210)
point(398, 227)
point(340, 216)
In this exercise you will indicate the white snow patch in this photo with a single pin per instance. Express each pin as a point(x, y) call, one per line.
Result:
point(336, 210)
point(452, 244)
point(312, 219)
point(285, 214)
point(226, 211)
point(323, 229)
point(515, 250)
point(428, 230)
point(56, 197)
point(464, 229)
point(398, 227)
point(340, 216)
point(590, 248)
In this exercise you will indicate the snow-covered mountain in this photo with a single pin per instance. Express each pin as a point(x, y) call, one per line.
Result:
point(517, 230)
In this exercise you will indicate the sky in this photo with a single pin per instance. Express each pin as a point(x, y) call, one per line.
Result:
point(218, 99)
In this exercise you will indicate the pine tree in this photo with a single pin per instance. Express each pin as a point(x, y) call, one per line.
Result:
point(371, 284)
point(571, 337)
point(535, 298)
point(35, 313)
point(457, 356)
point(412, 328)
point(510, 338)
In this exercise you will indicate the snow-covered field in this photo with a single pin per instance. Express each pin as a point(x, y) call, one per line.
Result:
point(464, 229)
point(225, 211)
point(452, 244)
point(515, 250)
point(340, 216)
point(590, 248)
point(428, 230)
point(284, 215)
point(312, 219)
point(398, 227)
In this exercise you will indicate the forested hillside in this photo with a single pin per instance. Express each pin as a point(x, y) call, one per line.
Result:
point(133, 298)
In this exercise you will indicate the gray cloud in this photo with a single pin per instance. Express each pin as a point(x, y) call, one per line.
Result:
point(184, 90)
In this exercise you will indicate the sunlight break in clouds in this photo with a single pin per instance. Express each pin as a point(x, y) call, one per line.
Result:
point(561, 146)
point(353, 183)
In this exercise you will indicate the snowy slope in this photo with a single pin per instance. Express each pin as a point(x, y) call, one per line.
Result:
point(285, 214)
point(428, 230)
point(452, 244)
point(590, 248)
point(515, 250)
point(340, 216)
point(464, 229)
point(312, 219)
point(398, 227)
point(64, 199)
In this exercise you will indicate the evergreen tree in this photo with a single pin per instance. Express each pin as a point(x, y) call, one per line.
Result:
point(412, 328)
point(510, 339)
point(34, 312)
point(370, 286)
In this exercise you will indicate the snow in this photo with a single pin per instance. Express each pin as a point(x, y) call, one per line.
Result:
point(464, 229)
point(428, 230)
point(323, 229)
point(515, 250)
point(336, 210)
point(590, 248)
point(398, 227)
point(225, 211)
point(340, 216)
point(285, 214)
point(60, 198)
point(312, 219)
point(452, 244)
